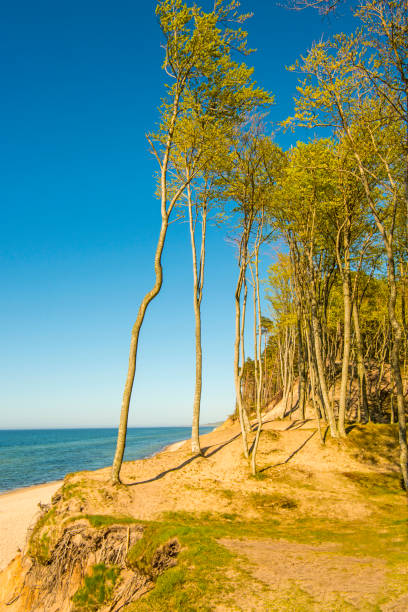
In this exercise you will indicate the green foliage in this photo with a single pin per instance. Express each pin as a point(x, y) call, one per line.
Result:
point(209, 93)
point(97, 590)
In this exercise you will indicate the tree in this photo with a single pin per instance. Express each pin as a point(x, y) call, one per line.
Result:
point(203, 79)
point(255, 164)
point(334, 94)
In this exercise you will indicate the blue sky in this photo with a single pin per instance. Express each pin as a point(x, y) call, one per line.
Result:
point(81, 83)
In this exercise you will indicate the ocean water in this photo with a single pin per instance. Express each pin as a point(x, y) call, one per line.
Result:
point(35, 456)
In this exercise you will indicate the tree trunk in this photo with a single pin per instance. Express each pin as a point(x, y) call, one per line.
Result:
point(258, 360)
point(134, 340)
point(313, 383)
point(302, 372)
point(321, 374)
point(361, 369)
point(395, 365)
point(121, 440)
point(237, 346)
point(198, 282)
point(346, 344)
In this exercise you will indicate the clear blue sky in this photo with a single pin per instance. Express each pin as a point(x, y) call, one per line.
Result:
point(81, 82)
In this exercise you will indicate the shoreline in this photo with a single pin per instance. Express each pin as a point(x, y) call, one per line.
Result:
point(38, 485)
point(19, 508)
point(18, 511)
point(169, 448)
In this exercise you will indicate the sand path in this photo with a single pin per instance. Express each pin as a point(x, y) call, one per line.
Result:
point(18, 510)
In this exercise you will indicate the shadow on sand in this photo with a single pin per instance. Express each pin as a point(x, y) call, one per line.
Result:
point(206, 453)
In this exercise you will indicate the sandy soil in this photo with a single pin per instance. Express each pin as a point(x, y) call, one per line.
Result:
point(298, 469)
point(18, 510)
point(315, 569)
point(173, 480)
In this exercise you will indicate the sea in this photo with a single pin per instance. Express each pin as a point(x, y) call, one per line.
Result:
point(34, 456)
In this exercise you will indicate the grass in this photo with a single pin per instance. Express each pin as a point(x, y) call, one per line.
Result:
point(97, 590)
point(72, 490)
point(269, 435)
point(207, 573)
point(259, 476)
point(105, 520)
point(374, 443)
point(272, 501)
point(39, 545)
point(227, 493)
point(88, 489)
point(376, 483)
point(200, 575)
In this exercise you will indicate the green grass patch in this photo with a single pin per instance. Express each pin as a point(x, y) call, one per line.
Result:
point(376, 483)
point(272, 501)
point(291, 599)
point(227, 493)
point(374, 443)
point(105, 520)
point(207, 573)
point(97, 590)
point(199, 578)
point(102, 520)
point(259, 476)
point(39, 545)
point(74, 490)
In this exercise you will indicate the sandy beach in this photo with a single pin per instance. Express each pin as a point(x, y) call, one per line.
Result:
point(18, 510)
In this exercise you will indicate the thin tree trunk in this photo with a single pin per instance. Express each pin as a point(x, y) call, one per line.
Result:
point(150, 295)
point(396, 367)
point(121, 441)
point(347, 341)
point(258, 360)
point(361, 369)
point(237, 346)
point(313, 384)
point(321, 374)
point(198, 283)
point(302, 372)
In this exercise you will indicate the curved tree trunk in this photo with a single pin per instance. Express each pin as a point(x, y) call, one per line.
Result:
point(150, 295)
point(121, 441)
